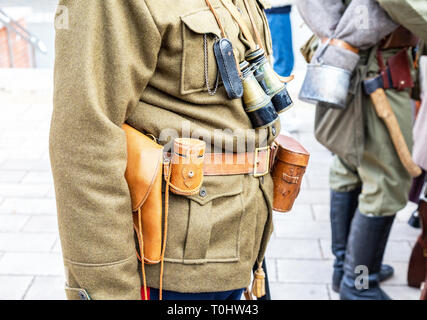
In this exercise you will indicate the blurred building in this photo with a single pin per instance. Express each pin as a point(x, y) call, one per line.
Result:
point(27, 33)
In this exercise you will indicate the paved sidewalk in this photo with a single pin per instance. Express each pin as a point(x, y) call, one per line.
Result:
point(299, 258)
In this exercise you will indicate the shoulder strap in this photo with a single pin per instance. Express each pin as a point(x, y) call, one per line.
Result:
point(237, 17)
point(216, 18)
point(251, 17)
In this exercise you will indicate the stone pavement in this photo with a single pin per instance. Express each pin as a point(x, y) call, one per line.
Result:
point(299, 258)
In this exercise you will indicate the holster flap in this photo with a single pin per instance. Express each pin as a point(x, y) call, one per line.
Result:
point(145, 159)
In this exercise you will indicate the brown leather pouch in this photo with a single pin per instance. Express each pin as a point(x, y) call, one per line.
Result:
point(397, 74)
point(400, 38)
point(144, 177)
point(186, 166)
point(288, 170)
point(400, 70)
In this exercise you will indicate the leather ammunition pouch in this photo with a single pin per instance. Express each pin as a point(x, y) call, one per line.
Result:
point(397, 73)
point(185, 167)
point(288, 170)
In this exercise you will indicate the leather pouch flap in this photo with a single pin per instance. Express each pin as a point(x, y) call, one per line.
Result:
point(291, 151)
point(144, 162)
point(400, 70)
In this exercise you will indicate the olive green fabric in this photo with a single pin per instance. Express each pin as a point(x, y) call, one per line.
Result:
point(385, 182)
point(412, 14)
point(141, 62)
point(343, 131)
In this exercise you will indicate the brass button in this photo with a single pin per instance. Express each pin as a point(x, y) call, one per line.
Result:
point(203, 193)
point(273, 130)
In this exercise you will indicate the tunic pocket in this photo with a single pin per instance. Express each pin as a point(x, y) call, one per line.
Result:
point(212, 231)
point(195, 63)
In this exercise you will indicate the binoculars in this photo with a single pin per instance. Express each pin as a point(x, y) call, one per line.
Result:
point(265, 96)
point(258, 104)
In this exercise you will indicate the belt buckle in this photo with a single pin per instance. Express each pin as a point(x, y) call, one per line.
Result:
point(257, 151)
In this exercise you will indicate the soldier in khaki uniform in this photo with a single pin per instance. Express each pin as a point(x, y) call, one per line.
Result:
point(142, 63)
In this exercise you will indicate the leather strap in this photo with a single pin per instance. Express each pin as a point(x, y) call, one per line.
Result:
point(216, 18)
point(341, 44)
point(224, 164)
point(237, 17)
point(251, 17)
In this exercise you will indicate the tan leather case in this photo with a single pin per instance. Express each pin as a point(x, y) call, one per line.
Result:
point(186, 167)
point(144, 178)
point(288, 170)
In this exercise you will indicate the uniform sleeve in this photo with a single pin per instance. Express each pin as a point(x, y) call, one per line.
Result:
point(104, 60)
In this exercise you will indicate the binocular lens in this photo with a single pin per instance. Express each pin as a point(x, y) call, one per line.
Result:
point(258, 104)
point(269, 81)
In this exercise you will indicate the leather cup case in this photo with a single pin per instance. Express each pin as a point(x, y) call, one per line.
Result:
point(288, 170)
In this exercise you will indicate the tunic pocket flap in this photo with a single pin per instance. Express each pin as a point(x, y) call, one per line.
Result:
point(215, 187)
point(202, 22)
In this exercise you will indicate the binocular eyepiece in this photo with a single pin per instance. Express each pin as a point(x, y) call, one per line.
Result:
point(269, 80)
point(258, 104)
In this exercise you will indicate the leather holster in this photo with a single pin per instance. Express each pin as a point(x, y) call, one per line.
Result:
point(144, 177)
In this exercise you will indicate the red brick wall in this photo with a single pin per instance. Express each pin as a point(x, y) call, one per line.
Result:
point(21, 49)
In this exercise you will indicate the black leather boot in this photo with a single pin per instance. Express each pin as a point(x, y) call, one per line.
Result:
point(366, 245)
point(343, 207)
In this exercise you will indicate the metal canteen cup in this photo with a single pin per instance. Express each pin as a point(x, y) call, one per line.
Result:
point(258, 104)
point(269, 81)
point(326, 86)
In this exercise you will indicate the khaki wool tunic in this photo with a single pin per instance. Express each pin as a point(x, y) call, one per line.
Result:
point(142, 62)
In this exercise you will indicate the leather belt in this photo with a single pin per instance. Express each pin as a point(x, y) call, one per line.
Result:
point(256, 163)
point(340, 43)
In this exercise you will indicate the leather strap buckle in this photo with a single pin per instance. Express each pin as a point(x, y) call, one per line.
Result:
point(257, 161)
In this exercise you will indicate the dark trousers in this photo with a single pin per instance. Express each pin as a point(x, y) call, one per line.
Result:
point(172, 295)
